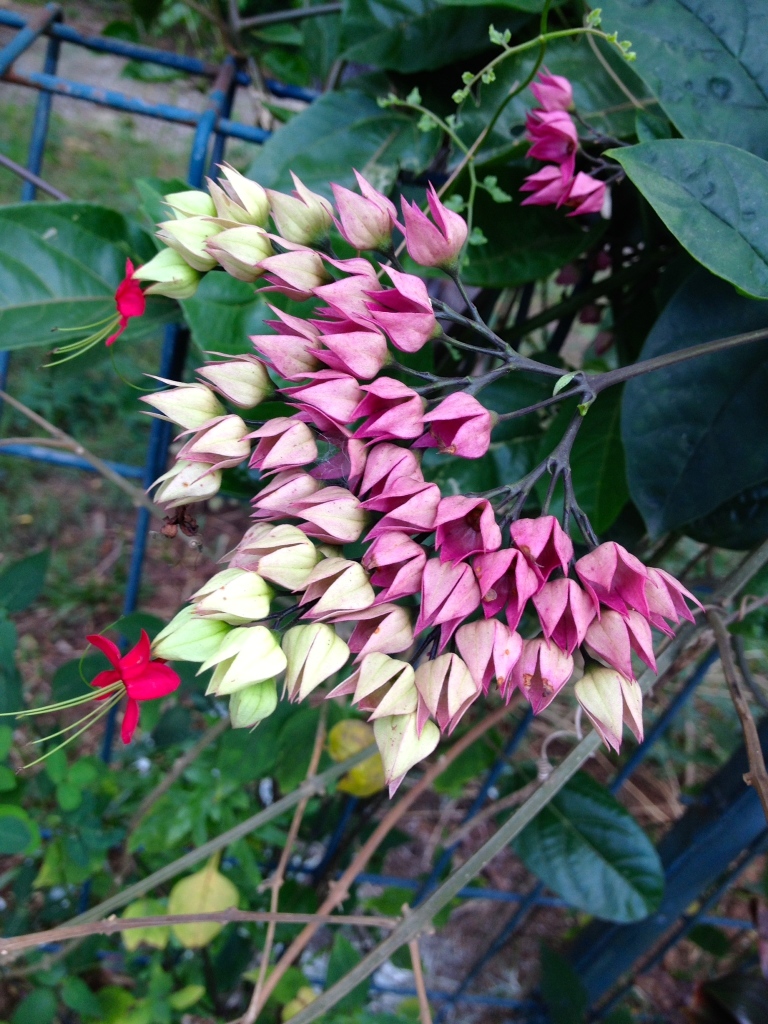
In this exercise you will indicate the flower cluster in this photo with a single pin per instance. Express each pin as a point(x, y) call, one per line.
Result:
point(554, 138)
point(429, 612)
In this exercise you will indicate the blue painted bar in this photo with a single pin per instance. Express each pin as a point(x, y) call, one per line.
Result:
point(27, 36)
point(39, 453)
point(40, 124)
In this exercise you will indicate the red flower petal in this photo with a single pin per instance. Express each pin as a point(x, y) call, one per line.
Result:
point(106, 678)
point(156, 681)
point(136, 660)
point(130, 721)
point(113, 337)
point(109, 649)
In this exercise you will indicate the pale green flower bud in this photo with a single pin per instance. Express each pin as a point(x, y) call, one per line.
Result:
point(187, 637)
point(283, 555)
point(401, 747)
point(303, 218)
point(235, 596)
point(192, 203)
point(245, 657)
point(189, 237)
point(189, 405)
point(314, 653)
point(243, 381)
point(174, 276)
point(611, 701)
point(240, 251)
point(382, 685)
point(240, 199)
point(252, 705)
point(341, 585)
point(187, 482)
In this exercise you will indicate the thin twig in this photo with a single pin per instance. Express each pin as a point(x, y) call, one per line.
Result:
point(749, 679)
point(505, 803)
point(122, 924)
point(137, 496)
point(425, 1016)
point(340, 890)
point(757, 775)
point(292, 14)
point(276, 882)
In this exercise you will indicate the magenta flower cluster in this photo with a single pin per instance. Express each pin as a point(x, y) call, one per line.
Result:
point(554, 139)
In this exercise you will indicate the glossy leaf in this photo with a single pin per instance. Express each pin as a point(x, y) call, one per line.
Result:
point(22, 582)
point(704, 61)
point(59, 267)
point(223, 312)
point(714, 200)
point(509, 259)
point(588, 849)
point(696, 434)
point(338, 132)
point(415, 35)
point(207, 891)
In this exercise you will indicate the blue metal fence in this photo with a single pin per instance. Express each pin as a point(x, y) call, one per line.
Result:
point(703, 854)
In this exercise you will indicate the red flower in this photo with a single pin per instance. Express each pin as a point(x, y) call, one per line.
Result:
point(130, 302)
point(143, 678)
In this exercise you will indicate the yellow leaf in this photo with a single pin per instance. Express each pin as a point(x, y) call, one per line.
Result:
point(347, 738)
point(304, 997)
point(205, 892)
point(156, 936)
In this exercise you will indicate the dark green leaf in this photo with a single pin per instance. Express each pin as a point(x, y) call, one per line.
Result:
point(6, 741)
point(704, 61)
point(68, 796)
point(336, 133)
point(529, 6)
point(714, 200)
point(711, 939)
point(131, 626)
point(39, 1007)
point(175, 726)
point(457, 476)
point(22, 582)
point(344, 957)
point(589, 850)
point(18, 833)
point(509, 259)
point(469, 765)
point(67, 680)
point(59, 267)
point(416, 35)
point(78, 997)
point(561, 989)
point(223, 312)
point(696, 434)
point(152, 191)
point(295, 741)
point(147, 10)
point(8, 640)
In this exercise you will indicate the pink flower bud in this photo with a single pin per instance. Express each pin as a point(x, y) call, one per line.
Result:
point(666, 599)
point(540, 674)
point(290, 350)
point(284, 442)
point(409, 505)
point(278, 497)
point(446, 691)
point(382, 685)
point(585, 194)
point(397, 564)
point(611, 700)
point(383, 629)
point(437, 244)
point(295, 274)
point(615, 578)
point(491, 650)
point(507, 581)
point(404, 312)
point(449, 594)
point(334, 514)
point(554, 138)
point(240, 251)
point(465, 526)
point(550, 187)
point(335, 395)
point(552, 92)
point(459, 425)
point(387, 462)
point(565, 612)
point(303, 217)
point(401, 746)
point(243, 381)
point(337, 585)
point(222, 443)
point(391, 410)
point(613, 637)
point(365, 221)
point(350, 350)
point(347, 297)
point(544, 543)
